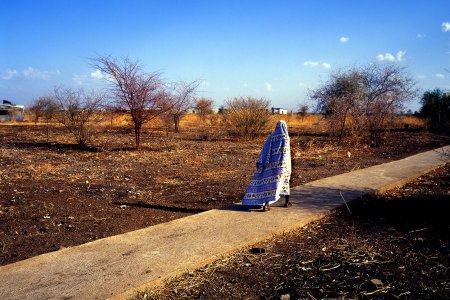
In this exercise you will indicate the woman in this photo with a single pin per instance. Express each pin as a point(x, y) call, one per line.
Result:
point(273, 170)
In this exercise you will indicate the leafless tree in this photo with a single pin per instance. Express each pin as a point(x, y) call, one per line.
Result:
point(303, 110)
point(363, 101)
point(181, 98)
point(77, 110)
point(386, 89)
point(246, 116)
point(36, 109)
point(140, 93)
point(46, 108)
point(337, 99)
point(204, 108)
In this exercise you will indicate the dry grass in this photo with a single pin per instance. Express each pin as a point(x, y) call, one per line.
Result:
point(411, 121)
point(192, 123)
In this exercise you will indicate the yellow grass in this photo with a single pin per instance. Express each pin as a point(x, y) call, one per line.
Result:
point(309, 122)
point(411, 121)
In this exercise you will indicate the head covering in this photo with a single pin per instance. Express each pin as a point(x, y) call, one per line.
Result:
point(273, 169)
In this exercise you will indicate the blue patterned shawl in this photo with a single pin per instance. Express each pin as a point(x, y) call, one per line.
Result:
point(273, 169)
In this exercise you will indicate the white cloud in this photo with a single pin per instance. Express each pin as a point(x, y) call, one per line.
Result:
point(440, 76)
point(386, 57)
point(445, 26)
point(9, 74)
point(326, 65)
point(311, 64)
point(421, 36)
point(344, 39)
point(400, 56)
point(268, 86)
point(420, 76)
point(315, 64)
point(79, 79)
point(39, 74)
point(97, 74)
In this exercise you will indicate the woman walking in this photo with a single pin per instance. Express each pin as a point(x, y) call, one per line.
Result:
point(273, 170)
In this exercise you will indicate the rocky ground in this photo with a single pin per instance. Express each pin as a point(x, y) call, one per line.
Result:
point(54, 195)
point(393, 246)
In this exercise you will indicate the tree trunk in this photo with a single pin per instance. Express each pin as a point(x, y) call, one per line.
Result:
point(176, 121)
point(137, 135)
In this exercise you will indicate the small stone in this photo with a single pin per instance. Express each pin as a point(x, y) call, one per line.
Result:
point(285, 297)
point(377, 282)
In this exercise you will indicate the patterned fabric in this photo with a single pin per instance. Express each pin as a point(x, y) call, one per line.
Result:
point(273, 169)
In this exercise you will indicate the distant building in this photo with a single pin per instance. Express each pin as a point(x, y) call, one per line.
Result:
point(11, 112)
point(279, 111)
point(194, 110)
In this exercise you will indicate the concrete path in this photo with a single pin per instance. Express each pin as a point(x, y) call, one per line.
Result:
point(118, 266)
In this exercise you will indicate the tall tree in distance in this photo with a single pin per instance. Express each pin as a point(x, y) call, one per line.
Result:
point(436, 109)
point(140, 93)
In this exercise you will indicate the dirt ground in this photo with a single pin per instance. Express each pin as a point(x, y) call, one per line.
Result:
point(394, 246)
point(54, 196)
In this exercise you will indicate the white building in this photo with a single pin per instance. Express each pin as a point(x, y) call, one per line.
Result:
point(11, 112)
point(279, 111)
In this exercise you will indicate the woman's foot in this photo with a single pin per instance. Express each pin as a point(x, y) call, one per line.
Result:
point(266, 207)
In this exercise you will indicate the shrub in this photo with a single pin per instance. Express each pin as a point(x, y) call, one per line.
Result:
point(204, 108)
point(246, 116)
point(77, 110)
point(362, 102)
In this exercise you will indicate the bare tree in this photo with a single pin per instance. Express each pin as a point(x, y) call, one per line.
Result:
point(181, 99)
point(140, 93)
point(386, 88)
point(337, 99)
point(364, 100)
point(76, 110)
point(37, 107)
point(204, 108)
point(246, 116)
point(46, 108)
point(303, 110)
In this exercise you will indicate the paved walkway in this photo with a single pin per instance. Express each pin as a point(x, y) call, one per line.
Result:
point(118, 266)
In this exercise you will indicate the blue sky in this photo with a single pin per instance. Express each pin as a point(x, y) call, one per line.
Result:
point(273, 49)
